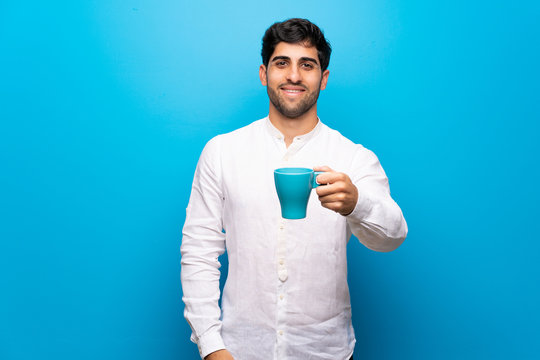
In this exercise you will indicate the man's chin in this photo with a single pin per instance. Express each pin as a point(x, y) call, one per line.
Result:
point(294, 113)
point(290, 112)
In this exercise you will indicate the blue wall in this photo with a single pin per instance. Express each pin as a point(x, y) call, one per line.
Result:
point(105, 107)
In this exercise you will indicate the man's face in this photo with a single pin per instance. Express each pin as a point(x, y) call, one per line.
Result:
point(293, 79)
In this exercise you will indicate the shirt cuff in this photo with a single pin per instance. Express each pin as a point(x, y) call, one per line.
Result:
point(362, 209)
point(209, 343)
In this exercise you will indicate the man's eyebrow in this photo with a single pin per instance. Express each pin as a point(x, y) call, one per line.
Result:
point(280, 57)
point(303, 58)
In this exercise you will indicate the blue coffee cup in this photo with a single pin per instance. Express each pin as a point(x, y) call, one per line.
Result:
point(293, 187)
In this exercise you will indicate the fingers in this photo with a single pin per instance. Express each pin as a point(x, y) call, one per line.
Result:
point(341, 203)
point(324, 190)
point(334, 206)
point(343, 206)
point(339, 194)
point(334, 197)
point(331, 177)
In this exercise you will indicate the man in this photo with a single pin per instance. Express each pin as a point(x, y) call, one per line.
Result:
point(286, 295)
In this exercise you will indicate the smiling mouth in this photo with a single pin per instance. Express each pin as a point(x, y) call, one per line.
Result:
point(293, 92)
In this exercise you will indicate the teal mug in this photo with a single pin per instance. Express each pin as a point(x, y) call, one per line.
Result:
point(293, 187)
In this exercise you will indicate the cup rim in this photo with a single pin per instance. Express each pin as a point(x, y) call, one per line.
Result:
point(293, 171)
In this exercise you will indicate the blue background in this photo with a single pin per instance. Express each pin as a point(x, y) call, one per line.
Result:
point(105, 107)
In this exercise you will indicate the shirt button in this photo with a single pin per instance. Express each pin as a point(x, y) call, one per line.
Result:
point(281, 297)
point(281, 262)
point(281, 227)
point(281, 332)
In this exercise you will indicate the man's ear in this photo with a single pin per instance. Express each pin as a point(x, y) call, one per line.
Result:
point(262, 75)
point(324, 79)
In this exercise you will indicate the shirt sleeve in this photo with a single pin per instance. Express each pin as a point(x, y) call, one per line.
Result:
point(377, 221)
point(202, 243)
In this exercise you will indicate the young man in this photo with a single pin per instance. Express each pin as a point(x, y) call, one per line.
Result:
point(286, 295)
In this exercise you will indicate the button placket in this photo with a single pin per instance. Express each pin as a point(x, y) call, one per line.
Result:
point(282, 265)
point(281, 324)
point(281, 300)
point(287, 155)
point(291, 151)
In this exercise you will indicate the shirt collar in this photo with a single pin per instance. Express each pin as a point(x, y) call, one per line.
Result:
point(274, 132)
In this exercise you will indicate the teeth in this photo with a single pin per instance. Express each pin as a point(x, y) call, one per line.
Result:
point(294, 91)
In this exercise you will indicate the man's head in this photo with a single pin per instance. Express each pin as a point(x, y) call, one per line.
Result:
point(296, 31)
point(295, 61)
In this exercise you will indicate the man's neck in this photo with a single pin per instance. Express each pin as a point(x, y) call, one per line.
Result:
point(290, 128)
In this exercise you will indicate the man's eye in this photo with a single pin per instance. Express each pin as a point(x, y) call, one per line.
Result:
point(281, 63)
point(307, 65)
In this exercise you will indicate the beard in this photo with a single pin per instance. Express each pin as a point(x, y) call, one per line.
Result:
point(292, 111)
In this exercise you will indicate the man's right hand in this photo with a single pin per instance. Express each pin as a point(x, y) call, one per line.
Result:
point(219, 355)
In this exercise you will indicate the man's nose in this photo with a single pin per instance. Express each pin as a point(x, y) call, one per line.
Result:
point(293, 75)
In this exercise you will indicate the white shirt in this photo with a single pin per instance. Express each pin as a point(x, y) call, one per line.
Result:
point(286, 295)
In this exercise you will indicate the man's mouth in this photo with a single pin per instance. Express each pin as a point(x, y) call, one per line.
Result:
point(292, 90)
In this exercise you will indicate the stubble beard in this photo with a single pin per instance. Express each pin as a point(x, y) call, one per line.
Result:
point(294, 111)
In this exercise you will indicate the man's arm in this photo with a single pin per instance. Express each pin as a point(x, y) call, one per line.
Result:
point(364, 198)
point(202, 243)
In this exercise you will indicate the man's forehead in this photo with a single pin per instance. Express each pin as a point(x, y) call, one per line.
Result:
point(295, 51)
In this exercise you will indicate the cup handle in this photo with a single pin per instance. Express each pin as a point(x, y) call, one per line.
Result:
point(315, 173)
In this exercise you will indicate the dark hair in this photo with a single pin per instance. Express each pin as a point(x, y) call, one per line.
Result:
point(295, 31)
